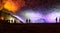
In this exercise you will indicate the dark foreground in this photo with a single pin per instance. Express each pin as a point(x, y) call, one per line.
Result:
point(29, 28)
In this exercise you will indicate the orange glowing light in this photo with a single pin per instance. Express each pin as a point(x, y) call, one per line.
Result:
point(13, 5)
point(2, 18)
point(0, 5)
point(10, 6)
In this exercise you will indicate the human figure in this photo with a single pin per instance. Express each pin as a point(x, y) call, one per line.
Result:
point(28, 20)
point(59, 20)
point(56, 19)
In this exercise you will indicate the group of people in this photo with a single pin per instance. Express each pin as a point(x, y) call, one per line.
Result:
point(57, 19)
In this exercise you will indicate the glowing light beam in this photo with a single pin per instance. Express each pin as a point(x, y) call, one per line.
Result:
point(51, 18)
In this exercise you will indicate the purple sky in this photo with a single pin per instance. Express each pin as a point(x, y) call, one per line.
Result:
point(41, 7)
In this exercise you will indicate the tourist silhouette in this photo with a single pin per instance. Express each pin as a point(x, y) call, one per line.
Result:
point(56, 19)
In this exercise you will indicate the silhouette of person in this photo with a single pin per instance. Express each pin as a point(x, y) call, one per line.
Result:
point(59, 20)
point(28, 20)
point(56, 19)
